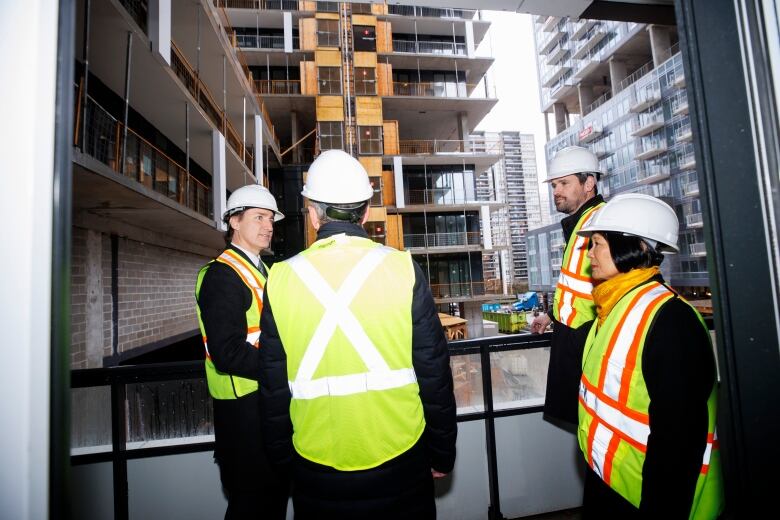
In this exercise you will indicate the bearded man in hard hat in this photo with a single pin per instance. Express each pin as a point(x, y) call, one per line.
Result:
point(355, 375)
point(229, 295)
point(573, 175)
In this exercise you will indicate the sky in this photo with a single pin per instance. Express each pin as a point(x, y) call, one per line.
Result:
point(510, 41)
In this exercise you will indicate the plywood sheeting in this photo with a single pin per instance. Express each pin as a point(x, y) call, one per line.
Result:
point(327, 58)
point(308, 78)
point(365, 59)
point(384, 79)
point(307, 28)
point(390, 134)
point(388, 188)
point(363, 19)
point(330, 108)
point(368, 110)
point(394, 233)
point(384, 37)
point(373, 165)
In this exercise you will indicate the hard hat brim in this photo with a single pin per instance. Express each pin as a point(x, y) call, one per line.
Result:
point(662, 247)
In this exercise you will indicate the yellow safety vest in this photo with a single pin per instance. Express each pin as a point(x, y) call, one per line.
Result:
point(222, 385)
point(614, 423)
point(343, 312)
point(573, 302)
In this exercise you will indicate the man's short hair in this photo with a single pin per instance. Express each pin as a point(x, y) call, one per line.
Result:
point(339, 212)
point(229, 233)
point(582, 177)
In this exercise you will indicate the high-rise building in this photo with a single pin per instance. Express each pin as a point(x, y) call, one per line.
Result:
point(179, 103)
point(619, 89)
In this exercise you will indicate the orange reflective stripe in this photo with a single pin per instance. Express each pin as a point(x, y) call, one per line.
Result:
point(623, 437)
point(616, 334)
point(613, 446)
point(628, 368)
point(594, 423)
point(578, 294)
point(577, 275)
point(583, 254)
point(237, 258)
point(622, 408)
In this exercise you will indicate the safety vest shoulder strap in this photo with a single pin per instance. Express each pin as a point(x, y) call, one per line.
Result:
point(248, 273)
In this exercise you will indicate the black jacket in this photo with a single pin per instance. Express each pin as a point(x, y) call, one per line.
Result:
point(565, 367)
point(430, 359)
point(678, 366)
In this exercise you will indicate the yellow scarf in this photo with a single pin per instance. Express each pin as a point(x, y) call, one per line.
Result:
point(607, 293)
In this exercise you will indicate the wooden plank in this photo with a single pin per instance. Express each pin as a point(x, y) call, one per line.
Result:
point(378, 9)
point(384, 79)
point(373, 165)
point(384, 37)
point(394, 233)
point(307, 5)
point(327, 58)
point(368, 110)
point(363, 19)
point(388, 188)
point(365, 59)
point(390, 135)
point(327, 16)
point(377, 214)
point(330, 108)
point(307, 27)
point(308, 78)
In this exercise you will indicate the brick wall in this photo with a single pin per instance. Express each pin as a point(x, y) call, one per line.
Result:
point(155, 295)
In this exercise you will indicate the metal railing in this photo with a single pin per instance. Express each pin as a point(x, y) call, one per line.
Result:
point(278, 86)
point(448, 146)
point(432, 240)
point(438, 197)
point(694, 220)
point(467, 289)
point(270, 5)
point(263, 41)
point(653, 171)
point(690, 189)
point(138, 10)
point(145, 411)
point(697, 249)
point(430, 12)
point(429, 47)
point(143, 161)
point(443, 89)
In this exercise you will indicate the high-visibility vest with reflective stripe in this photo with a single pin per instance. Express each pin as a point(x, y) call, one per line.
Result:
point(222, 385)
point(573, 303)
point(343, 312)
point(614, 424)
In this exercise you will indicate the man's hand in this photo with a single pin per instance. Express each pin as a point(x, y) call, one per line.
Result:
point(540, 323)
point(437, 474)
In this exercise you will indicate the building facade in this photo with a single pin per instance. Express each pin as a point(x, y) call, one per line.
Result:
point(619, 89)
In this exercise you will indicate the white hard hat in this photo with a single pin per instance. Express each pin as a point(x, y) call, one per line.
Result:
point(571, 160)
point(252, 196)
point(636, 214)
point(335, 177)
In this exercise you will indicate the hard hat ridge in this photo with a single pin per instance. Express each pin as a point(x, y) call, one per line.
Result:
point(251, 196)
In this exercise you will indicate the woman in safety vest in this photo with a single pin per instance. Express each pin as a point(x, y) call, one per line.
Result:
point(648, 391)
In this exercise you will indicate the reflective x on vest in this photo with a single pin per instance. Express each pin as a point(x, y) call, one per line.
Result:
point(338, 314)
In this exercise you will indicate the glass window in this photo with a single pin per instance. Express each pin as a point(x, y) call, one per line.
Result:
point(364, 38)
point(376, 184)
point(331, 135)
point(376, 231)
point(370, 142)
point(365, 81)
point(327, 32)
point(329, 80)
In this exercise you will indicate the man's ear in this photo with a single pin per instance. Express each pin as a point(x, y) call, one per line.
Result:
point(365, 217)
point(590, 183)
point(315, 221)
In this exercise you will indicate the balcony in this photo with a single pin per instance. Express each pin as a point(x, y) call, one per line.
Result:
point(584, 67)
point(467, 290)
point(683, 134)
point(649, 148)
point(458, 239)
point(552, 77)
point(448, 146)
point(144, 163)
point(690, 189)
point(271, 42)
point(588, 42)
point(267, 5)
point(687, 161)
point(550, 23)
point(581, 27)
point(277, 86)
point(694, 220)
point(556, 243)
point(590, 131)
point(679, 103)
point(645, 97)
point(430, 12)
point(650, 173)
point(429, 47)
point(678, 80)
point(438, 197)
point(647, 123)
point(558, 53)
point(441, 89)
point(697, 249)
point(549, 42)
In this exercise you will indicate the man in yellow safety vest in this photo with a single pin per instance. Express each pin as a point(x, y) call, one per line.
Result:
point(573, 175)
point(355, 377)
point(229, 294)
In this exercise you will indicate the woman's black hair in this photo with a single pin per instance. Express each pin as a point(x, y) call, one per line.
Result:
point(627, 251)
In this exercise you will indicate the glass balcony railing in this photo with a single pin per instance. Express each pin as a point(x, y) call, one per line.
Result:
point(101, 136)
point(443, 89)
point(269, 5)
point(449, 146)
point(435, 240)
point(429, 47)
point(430, 12)
point(694, 220)
point(697, 249)
point(467, 289)
point(255, 41)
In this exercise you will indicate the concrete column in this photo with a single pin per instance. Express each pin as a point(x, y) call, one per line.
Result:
point(660, 41)
point(585, 93)
point(259, 148)
point(487, 232)
point(288, 31)
point(617, 73)
point(94, 304)
point(559, 109)
point(398, 177)
point(464, 130)
point(473, 316)
point(160, 28)
point(295, 135)
point(218, 178)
